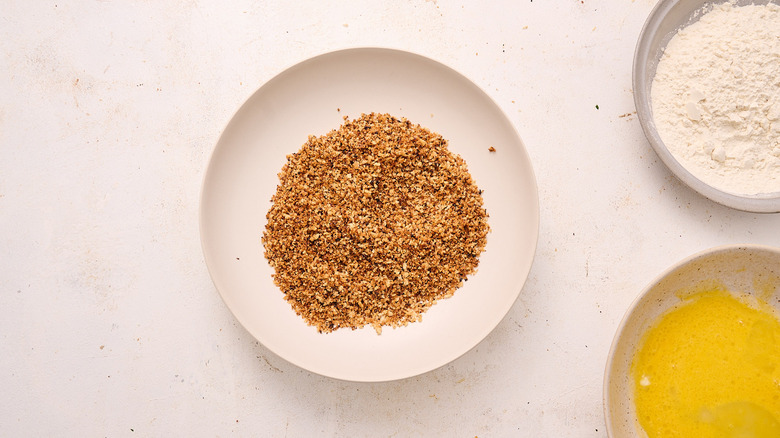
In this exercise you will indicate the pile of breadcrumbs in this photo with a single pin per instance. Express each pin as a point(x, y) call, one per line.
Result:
point(372, 223)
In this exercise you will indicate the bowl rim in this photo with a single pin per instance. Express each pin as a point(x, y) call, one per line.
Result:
point(606, 398)
point(641, 85)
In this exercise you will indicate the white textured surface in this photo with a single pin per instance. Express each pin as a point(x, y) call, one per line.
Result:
point(111, 325)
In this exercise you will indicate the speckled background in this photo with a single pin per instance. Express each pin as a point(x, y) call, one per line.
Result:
point(111, 325)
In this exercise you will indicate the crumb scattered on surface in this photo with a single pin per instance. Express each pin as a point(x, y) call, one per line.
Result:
point(372, 223)
point(491, 149)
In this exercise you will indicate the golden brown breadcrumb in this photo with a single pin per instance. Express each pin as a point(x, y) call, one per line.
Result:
point(372, 223)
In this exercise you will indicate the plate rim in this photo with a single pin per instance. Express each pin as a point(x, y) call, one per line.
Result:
point(531, 233)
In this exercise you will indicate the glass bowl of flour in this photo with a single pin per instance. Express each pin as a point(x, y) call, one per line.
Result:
point(706, 81)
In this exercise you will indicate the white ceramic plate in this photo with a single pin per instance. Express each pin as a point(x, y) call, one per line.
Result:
point(745, 269)
point(305, 100)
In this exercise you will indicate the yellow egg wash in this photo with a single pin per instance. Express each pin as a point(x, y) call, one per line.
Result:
point(710, 368)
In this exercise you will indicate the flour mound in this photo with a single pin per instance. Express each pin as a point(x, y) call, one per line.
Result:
point(716, 98)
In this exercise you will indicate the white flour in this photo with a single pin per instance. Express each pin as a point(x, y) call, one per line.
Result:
point(716, 98)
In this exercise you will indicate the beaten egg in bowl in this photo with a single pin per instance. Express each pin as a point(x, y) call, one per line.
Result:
point(698, 352)
point(710, 368)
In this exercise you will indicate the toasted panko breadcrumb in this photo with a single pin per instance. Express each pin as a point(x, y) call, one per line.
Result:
point(372, 223)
